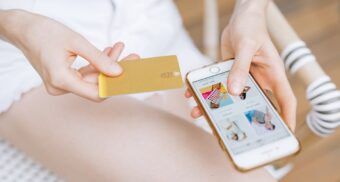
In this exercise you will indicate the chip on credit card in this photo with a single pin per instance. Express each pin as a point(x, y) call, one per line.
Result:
point(144, 75)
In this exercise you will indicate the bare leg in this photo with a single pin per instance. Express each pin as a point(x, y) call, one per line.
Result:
point(120, 139)
point(172, 101)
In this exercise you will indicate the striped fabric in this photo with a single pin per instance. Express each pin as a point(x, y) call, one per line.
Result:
point(322, 94)
point(297, 55)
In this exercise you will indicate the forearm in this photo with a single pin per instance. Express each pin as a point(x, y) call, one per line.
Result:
point(3, 15)
point(6, 19)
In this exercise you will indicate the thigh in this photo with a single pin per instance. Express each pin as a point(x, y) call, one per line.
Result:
point(120, 139)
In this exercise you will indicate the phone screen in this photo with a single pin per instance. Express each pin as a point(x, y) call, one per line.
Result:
point(244, 122)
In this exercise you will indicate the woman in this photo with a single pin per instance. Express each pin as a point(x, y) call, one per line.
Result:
point(122, 138)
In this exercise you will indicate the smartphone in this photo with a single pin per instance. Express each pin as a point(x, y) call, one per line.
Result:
point(248, 127)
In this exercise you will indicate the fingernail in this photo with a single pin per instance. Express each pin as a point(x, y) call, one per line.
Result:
point(116, 69)
point(236, 87)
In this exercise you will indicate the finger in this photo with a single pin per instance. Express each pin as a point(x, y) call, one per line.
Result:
point(116, 50)
point(187, 93)
point(196, 112)
point(74, 83)
point(97, 58)
point(90, 69)
point(90, 73)
point(269, 94)
point(107, 51)
point(287, 103)
point(85, 90)
point(282, 90)
point(54, 91)
point(226, 48)
point(91, 77)
point(131, 57)
point(87, 69)
point(240, 69)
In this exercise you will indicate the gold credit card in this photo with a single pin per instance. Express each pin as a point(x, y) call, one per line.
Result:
point(151, 74)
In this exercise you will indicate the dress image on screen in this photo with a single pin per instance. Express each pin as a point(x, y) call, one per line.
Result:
point(261, 120)
point(216, 96)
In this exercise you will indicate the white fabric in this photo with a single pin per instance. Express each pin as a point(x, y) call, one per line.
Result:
point(149, 28)
point(16, 166)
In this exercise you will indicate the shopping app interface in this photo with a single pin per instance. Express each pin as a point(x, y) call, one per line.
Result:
point(245, 122)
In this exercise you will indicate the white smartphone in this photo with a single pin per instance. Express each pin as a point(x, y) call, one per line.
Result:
point(247, 126)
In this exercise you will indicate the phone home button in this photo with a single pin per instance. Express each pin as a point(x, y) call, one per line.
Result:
point(214, 69)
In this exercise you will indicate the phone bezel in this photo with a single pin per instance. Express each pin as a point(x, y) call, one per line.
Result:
point(254, 157)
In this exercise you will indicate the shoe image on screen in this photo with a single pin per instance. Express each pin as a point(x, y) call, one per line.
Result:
point(233, 131)
point(243, 95)
point(216, 96)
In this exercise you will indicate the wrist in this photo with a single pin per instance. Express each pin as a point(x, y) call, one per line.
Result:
point(259, 3)
point(13, 22)
point(252, 6)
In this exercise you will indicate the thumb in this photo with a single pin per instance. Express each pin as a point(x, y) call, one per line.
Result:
point(240, 69)
point(97, 58)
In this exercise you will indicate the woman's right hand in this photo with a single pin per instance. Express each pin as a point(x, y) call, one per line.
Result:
point(247, 40)
point(52, 47)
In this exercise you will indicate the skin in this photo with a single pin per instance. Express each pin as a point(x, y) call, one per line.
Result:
point(53, 60)
point(246, 39)
point(120, 139)
point(105, 142)
point(254, 120)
